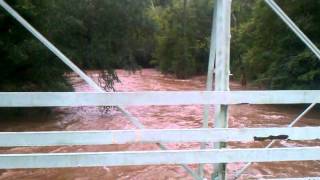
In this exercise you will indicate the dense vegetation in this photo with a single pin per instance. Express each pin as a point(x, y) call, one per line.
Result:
point(172, 35)
point(94, 34)
point(268, 53)
point(183, 36)
point(25, 63)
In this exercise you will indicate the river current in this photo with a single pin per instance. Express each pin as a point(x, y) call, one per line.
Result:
point(157, 117)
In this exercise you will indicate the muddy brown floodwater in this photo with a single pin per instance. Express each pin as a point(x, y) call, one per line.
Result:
point(158, 117)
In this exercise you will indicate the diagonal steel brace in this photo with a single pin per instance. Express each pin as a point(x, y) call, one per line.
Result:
point(276, 8)
point(78, 71)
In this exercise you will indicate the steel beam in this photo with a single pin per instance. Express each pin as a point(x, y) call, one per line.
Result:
point(62, 160)
point(222, 72)
point(77, 70)
point(54, 99)
point(48, 44)
point(68, 138)
point(209, 84)
point(221, 109)
point(287, 20)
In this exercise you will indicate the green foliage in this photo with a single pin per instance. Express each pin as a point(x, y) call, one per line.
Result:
point(269, 52)
point(94, 34)
point(104, 34)
point(110, 34)
point(182, 37)
point(25, 64)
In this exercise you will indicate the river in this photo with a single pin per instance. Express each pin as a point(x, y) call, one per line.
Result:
point(156, 117)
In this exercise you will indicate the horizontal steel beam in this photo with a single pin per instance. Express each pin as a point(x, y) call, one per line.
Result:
point(61, 138)
point(51, 99)
point(62, 160)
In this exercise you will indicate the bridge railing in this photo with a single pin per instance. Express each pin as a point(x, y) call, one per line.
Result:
point(67, 138)
point(219, 59)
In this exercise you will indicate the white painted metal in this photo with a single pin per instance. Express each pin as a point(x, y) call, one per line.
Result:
point(160, 98)
point(296, 120)
point(49, 45)
point(77, 70)
point(60, 138)
point(139, 125)
point(54, 160)
point(286, 19)
point(222, 72)
point(209, 83)
point(40, 99)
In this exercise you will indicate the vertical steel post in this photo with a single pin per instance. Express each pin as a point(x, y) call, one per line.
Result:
point(209, 84)
point(222, 72)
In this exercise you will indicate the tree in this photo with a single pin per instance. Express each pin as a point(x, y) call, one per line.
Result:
point(94, 34)
point(182, 37)
point(273, 55)
point(25, 64)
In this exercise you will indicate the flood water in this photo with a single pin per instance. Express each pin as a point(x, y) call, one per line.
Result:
point(156, 117)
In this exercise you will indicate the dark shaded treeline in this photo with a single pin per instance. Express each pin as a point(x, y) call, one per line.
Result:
point(264, 50)
point(94, 34)
point(173, 36)
point(267, 52)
